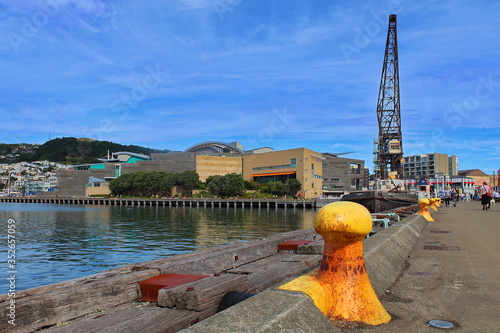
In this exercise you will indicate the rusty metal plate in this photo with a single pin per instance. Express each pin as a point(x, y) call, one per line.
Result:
point(292, 245)
point(149, 288)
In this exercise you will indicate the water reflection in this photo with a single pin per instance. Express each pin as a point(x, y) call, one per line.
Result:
point(60, 242)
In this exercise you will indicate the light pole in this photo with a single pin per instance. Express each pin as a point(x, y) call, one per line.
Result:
point(9, 182)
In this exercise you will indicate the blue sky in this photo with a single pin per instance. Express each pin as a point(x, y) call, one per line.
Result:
point(283, 74)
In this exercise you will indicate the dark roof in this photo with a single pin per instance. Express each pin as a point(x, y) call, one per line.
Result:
point(472, 172)
point(214, 147)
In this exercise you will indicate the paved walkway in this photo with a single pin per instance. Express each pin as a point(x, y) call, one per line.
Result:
point(453, 274)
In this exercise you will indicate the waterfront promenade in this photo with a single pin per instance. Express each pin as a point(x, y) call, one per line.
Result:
point(453, 274)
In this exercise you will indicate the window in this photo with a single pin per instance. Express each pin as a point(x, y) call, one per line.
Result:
point(118, 170)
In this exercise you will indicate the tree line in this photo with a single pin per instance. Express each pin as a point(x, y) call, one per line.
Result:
point(148, 183)
point(162, 183)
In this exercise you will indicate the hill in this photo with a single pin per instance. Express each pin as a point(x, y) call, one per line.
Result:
point(71, 150)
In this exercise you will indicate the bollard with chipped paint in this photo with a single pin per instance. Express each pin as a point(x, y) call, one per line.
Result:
point(424, 209)
point(341, 288)
point(432, 203)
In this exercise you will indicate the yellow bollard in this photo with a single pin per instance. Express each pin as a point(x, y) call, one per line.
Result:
point(341, 289)
point(433, 202)
point(424, 209)
point(438, 202)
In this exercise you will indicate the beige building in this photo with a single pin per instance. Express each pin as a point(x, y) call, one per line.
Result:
point(417, 166)
point(303, 164)
point(97, 187)
point(478, 176)
point(207, 165)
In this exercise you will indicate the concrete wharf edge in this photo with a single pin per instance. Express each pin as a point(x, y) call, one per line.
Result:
point(277, 310)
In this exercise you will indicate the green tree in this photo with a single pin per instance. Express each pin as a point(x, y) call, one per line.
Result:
point(231, 184)
point(293, 186)
point(188, 180)
point(289, 187)
point(167, 182)
point(214, 184)
point(251, 185)
point(123, 185)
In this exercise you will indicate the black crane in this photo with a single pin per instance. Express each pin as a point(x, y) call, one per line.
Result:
point(388, 154)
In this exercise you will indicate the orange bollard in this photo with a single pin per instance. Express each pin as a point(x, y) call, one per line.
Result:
point(341, 288)
point(432, 204)
point(424, 209)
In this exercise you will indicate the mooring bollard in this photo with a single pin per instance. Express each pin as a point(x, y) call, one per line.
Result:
point(432, 203)
point(424, 209)
point(341, 289)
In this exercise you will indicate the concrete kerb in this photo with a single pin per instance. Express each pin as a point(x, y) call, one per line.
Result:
point(269, 311)
point(386, 252)
point(285, 311)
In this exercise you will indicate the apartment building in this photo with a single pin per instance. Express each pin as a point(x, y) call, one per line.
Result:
point(417, 166)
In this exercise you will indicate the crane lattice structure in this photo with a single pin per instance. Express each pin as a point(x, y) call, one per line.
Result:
point(388, 155)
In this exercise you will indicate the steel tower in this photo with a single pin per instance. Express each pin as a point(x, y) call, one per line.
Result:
point(388, 154)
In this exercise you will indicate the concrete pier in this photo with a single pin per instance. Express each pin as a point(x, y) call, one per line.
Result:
point(170, 202)
point(451, 274)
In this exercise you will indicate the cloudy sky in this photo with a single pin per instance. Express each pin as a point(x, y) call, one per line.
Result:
point(277, 73)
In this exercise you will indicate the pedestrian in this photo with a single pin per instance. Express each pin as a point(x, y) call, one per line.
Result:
point(447, 196)
point(485, 193)
point(454, 197)
point(496, 196)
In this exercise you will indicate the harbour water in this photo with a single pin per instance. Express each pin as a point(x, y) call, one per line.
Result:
point(56, 242)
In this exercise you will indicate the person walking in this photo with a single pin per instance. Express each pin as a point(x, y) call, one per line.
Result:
point(485, 193)
point(447, 196)
point(454, 197)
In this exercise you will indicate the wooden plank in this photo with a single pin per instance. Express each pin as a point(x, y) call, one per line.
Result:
point(268, 272)
point(132, 317)
point(45, 306)
point(219, 260)
point(269, 262)
point(257, 265)
point(202, 294)
point(267, 278)
point(316, 247)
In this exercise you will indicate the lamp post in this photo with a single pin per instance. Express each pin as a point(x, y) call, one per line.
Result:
point(9, 182)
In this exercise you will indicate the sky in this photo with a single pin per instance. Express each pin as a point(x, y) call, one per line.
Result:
point(266, 73)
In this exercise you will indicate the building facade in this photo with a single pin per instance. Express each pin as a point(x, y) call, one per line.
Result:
point(342, 175)
point(417, 166)
point(318, 173)
point(440, 182)
point(303, 164)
